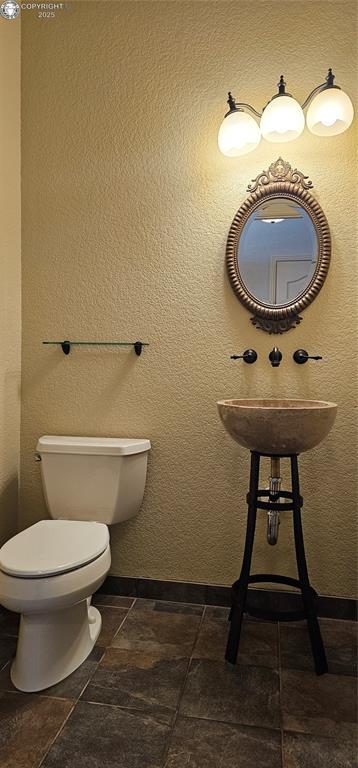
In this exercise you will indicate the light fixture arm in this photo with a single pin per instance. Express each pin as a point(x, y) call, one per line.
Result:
point(239, 106)
point(329, 83)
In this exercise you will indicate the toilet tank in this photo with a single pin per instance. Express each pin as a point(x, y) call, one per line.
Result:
point(93, 478)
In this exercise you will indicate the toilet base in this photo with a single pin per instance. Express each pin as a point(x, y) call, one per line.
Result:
point(52, 645)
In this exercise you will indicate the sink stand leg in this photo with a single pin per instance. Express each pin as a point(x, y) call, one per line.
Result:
point(314, 631)
point(240, 587)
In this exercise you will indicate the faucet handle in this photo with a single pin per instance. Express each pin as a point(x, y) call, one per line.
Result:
point(249, 356)
point(275, 357)
point(301, 356)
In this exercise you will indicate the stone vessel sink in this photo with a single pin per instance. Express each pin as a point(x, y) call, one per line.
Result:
point(277, 427)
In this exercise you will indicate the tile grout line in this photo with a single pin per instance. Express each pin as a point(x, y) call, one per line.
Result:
point(119, 628)
point(9, 634)
point(2, 667)
point(182, 688)
point(125, 607)
point(230, 723)
point(57, 735)
point(9, 660)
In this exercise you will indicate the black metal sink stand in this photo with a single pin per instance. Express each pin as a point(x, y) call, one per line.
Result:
point(240, 587)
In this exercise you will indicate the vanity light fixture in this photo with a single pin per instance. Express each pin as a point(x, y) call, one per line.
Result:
point(239, 133)
point(330, 112)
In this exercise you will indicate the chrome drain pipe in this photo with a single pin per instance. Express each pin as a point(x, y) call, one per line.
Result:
point(273, 516)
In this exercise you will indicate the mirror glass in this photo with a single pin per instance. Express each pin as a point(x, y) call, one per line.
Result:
point(277, 251)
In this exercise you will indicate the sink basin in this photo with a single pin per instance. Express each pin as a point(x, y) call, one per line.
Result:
point(277, 426)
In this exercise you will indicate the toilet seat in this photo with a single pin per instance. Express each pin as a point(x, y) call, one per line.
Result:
point(51, 593)
point(50, 548)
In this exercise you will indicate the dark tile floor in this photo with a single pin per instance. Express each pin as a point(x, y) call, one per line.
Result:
point(156, 693)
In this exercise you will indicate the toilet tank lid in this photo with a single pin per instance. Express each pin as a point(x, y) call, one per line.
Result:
point(106, 446)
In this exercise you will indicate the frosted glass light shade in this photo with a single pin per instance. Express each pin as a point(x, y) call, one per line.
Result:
point(282, 120)
point(330, 112)
point(238, 134)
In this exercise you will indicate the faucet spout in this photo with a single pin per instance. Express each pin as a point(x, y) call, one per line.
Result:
point(275, 357)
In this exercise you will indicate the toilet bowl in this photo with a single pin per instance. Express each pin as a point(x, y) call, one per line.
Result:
point(49, 571)
point(42, 578)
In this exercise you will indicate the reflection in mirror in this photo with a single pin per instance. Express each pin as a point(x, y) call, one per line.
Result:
point(277, 251)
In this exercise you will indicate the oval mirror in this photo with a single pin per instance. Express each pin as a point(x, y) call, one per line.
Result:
point(278, 248)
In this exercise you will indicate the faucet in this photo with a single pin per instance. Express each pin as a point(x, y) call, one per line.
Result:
point(249, 356)
point(275, 357)
point(301, 356)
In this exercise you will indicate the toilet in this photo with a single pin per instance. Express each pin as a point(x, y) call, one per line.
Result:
point(49, 572)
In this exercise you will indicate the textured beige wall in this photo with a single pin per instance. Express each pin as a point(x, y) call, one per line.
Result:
point(10, 274)
point(126, 208)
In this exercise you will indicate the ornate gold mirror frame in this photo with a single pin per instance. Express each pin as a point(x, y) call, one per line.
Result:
point(279, 181)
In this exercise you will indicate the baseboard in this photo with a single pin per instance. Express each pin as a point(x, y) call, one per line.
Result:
point(210, 594)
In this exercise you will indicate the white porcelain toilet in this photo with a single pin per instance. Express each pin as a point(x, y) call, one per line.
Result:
point(49, 571)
